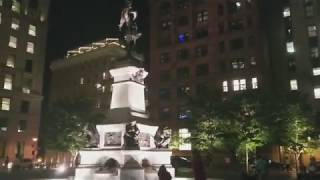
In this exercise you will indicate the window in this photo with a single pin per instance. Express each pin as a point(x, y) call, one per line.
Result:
point(164, 93)
point(293, 84)
point(236, 25)
point(234, 6)
point(28, 66)
point(236, 85)
point(1, 2)
point(164, 58)
point(0, 17)
point(22, 126)
point(254, 82)
point(312, 31)
point(290, 47)
point(16, 6)
point(10, 61)
point(183, 91)
point(183, 37)
point(30, 47)
point(286, 12)
point(165, 113)
point(13, 42)
point(222, 47)
point(165, 75)
point(183, 73)
point(309, 10)
point(183, 113)
point(3, 124)
point(183, 54)
point(202, 70)
point(15, 24)
point(32, 30)
point(314, 52)
point(236, 44)
point(225, 86)
point(316, 71)
point(220, 10)
point(27, 85)
point(183, 21)
point(166, 25)
point(202, 17)
point(243, 85)
point(24, 106)
point(184, 135)
point(238, 64)
point(81, 80)
point(182, 4)
point(5, 104)
point(201, 51)
point(317, 92)
point(253, 61)
point(7, 82)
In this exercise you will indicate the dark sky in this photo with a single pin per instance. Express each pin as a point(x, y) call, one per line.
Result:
point(76, 22)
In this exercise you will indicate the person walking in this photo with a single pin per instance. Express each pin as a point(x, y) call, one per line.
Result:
point(163, 173)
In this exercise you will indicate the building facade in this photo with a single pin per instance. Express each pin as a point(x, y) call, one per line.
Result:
point(23, 31)
point(200, 44)
point(84, 72)
point(293, 28)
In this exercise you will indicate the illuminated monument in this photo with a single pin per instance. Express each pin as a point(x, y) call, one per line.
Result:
point(129, 146)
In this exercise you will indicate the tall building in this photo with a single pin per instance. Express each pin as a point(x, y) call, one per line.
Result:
point(23, 31)
point(200, 44)
point(84, 72)
point(293, 28)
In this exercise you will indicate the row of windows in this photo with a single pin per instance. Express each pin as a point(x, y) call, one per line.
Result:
point(231, 7)
point(11, 63)
point(239, 84)
point(15, 25)
point(13, 43)
point(294, 87)
point(6, 105)
point(22, 125)
point(8, 84)
point(16, 5)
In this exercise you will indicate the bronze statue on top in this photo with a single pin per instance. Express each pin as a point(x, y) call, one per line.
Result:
point(129, 26)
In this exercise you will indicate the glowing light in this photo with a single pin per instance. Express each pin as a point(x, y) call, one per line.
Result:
point(34, 139)
point(62, 168)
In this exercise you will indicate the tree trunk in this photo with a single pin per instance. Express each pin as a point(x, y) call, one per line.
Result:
point(247, 160)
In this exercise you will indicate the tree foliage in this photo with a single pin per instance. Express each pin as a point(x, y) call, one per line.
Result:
point(65, 122)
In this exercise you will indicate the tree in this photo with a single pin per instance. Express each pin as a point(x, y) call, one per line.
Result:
point(65, 123)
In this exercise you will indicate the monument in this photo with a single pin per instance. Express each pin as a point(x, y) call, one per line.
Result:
point(130, 146)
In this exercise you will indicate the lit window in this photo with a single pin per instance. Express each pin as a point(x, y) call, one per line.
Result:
point(32, 30)
point(243, 84)
point(312, 31)
point(27, 85)
point(316, 71)
point(7, 82)
point(26, 90)
point(103, 89)
point(254, 82)
point(286, 12)
point(10, 61)
point(184, 135)
point(317, 93)
point(236, 85)
point(0, 17)
point(3, 124)
point(30, 47)
point(290, 47)
point(293, 84)
point(5, 104)
point(13, 42)
point(104, 75)
point(202, 17)
point(82, 80)
point(225, 86)
point(238, 4)
point(15, 24)
point(16, 6)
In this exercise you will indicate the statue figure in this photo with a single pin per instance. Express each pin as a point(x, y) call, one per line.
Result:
point(128, 23)
point(131, 141)
point(92, 136)
point(162, 138)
